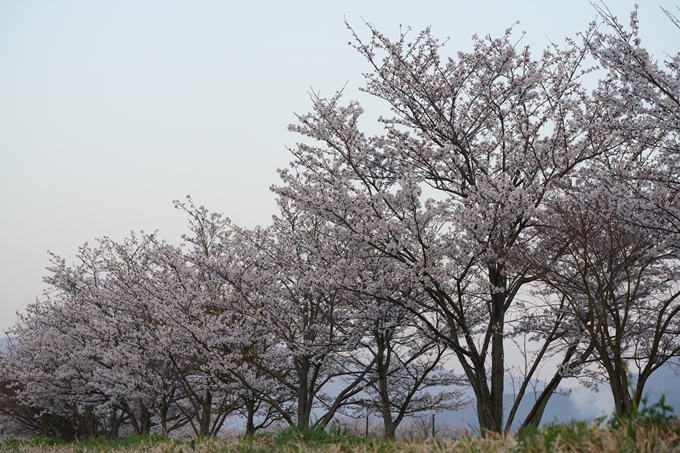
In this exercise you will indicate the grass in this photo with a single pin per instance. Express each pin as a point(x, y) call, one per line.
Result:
point(643, 435)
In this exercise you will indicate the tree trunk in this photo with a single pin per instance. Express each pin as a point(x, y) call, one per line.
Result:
point(163, 413)
point(136, 428)
point(145, 420)
point(382, 365)
point(476, 375)
point(206, 408)
point(617, 371)
point(113, 432)
point(250, 417)
point(303, 412)
point(640, 388)
point(536, 414)
point(623, 403)
point(486, 408)
point(89, 423)
point(489, 398)
point(498, 287)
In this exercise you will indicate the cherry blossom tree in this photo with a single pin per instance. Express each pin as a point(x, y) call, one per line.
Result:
point(49, 379)
point(643, 100)
point(621, 282)
point(611, 235)
point(453, 186)
point(279, 275)
point(228, 339)
point(408, 376)
point(125, 312)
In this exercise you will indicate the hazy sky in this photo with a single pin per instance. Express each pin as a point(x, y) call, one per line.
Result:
point(111, 110)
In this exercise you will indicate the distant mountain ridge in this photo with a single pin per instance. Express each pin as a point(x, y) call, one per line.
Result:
point(580, 403)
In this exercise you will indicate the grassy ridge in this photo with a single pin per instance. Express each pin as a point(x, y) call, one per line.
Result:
point(630, 436)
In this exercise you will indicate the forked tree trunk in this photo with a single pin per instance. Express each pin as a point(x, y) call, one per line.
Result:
point(250, 416)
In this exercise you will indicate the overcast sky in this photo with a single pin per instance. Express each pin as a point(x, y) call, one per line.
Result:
point(109, 110)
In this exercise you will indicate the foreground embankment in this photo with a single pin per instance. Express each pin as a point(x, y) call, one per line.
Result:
point(562, 437)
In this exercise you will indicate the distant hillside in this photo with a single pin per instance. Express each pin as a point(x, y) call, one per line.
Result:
point(579, 404)
point(3, 344)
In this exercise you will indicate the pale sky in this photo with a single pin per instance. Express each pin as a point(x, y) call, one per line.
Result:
point(109, 110)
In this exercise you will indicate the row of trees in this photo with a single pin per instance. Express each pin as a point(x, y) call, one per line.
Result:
point(240, 322)
point(504, 201)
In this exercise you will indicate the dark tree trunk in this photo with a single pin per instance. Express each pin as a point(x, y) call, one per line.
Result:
point(115, 425)
point(382, 366)
point(145, 420)
point(488, 390)
point(250, 416)
point(136, 428)
point(206, 408)
point(623, 402)
point(498, 282)
point(304, 409)
point(163, 413)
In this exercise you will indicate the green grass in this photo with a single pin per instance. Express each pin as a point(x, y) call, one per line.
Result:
point(645, 434)
point(95, 444)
